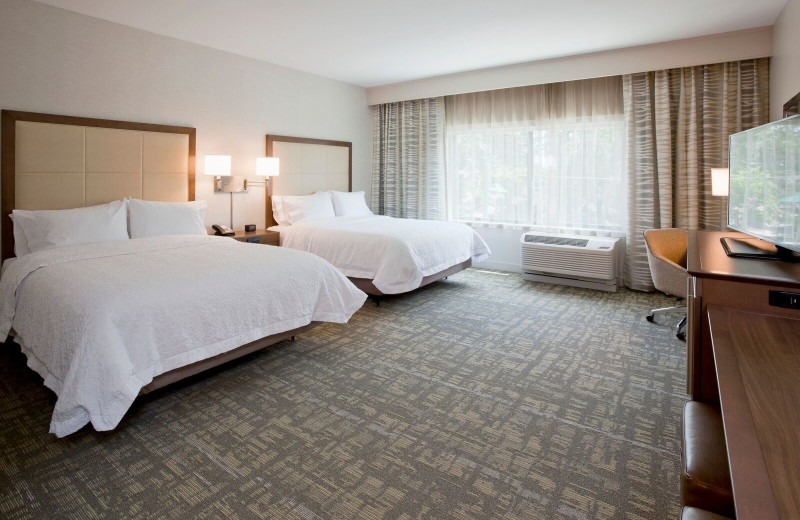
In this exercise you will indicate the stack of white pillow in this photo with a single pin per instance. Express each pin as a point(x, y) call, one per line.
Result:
point(118, 220)
point(133, 218)
point(289, 210)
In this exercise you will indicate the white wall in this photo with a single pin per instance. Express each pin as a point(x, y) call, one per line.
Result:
point(785, 67)
point(738, 45)
point(505, 247)
point(59, 62)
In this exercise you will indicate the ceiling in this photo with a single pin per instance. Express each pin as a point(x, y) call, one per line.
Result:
point(376, 42)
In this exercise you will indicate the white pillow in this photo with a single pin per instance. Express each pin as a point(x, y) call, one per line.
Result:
point(155, 219)
point(278, 212)
point(305, 208)
point(47, 229)
point(350, 204)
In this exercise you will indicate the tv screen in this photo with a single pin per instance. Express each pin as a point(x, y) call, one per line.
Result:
point(764, 187)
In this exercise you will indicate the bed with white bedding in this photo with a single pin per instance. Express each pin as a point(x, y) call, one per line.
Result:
point(116, 288)
point(396, 255)
point(99, 321)
point(314, 208)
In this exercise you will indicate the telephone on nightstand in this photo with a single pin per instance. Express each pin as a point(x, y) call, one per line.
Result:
point(222, 229)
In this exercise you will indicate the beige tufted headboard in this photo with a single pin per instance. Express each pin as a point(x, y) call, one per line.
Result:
point(309, 165)
point(63, 162)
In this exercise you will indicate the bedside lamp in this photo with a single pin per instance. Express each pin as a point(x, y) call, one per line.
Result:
point(268, 167)
point(720, 181)
point(220, 167)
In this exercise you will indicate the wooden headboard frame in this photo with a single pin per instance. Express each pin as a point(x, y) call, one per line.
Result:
point(792, 106)
point(272, 139)
point(8, 150)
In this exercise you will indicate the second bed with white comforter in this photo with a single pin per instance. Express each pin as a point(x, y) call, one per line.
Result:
point(396, 254)
point(99, 321)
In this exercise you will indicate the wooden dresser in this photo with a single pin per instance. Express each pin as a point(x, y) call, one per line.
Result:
point(744, 355)
point(739, 283)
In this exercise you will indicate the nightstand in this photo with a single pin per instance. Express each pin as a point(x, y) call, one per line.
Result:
point(266, 237)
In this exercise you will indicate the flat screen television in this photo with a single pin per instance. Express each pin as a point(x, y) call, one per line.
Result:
point(764, 191)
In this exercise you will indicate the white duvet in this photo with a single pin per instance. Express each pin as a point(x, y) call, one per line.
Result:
point(99, 321)
point(395, 253)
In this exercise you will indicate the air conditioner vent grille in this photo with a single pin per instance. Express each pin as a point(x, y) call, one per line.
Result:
point(564, 262)
point(556, 241)
point(584, 261)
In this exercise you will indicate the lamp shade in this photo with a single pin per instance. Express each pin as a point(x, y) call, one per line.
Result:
point(218, 165)
point(268, 166)
point(719, 182)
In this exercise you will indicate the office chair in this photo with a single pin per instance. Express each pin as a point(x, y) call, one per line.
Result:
point(666, 254)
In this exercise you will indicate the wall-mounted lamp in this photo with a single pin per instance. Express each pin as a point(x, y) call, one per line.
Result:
point(220, 167)
point(719, 182)
point(268, 167)
point(218, 164)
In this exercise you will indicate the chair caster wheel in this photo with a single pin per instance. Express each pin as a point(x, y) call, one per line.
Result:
point(650, 318)
point(681, 335)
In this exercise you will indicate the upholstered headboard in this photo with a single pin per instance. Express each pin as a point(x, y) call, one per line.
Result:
point(63, 162)
point(309, 165)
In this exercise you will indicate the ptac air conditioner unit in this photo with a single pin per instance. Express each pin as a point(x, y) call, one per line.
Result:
point(575, 260)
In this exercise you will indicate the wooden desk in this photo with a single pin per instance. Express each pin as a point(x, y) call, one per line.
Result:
point(707, 259)
point(757, 358)
point(739, 283)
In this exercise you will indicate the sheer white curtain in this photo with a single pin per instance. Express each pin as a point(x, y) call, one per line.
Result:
point(547, 156)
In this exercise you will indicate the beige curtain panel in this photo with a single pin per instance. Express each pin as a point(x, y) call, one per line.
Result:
point(678, 122)
point(536, 104)
point(408, 159)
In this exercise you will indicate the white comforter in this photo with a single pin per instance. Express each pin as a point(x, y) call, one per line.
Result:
point(99, 321)
point(395, 253)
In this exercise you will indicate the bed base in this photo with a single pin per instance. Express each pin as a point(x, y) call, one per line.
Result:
point(366, 285)
point(173, 376)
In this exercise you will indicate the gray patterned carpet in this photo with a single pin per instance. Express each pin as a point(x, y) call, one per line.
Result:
point(484, 396)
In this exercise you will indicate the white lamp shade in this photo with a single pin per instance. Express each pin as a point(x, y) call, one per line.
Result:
point(719, 182)
point(218, 165)
point(268, 166)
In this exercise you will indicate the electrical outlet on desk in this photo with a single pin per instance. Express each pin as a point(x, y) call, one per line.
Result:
point(785, 299)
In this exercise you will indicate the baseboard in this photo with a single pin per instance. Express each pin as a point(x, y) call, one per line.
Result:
point(499, 266)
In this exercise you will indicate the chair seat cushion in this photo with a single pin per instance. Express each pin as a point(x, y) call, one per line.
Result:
point(705, 477)
point(692, 513)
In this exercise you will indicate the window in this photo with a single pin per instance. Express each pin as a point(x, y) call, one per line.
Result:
point(566, 175)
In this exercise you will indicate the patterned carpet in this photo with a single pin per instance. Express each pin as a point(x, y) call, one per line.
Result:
point(483, 396)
